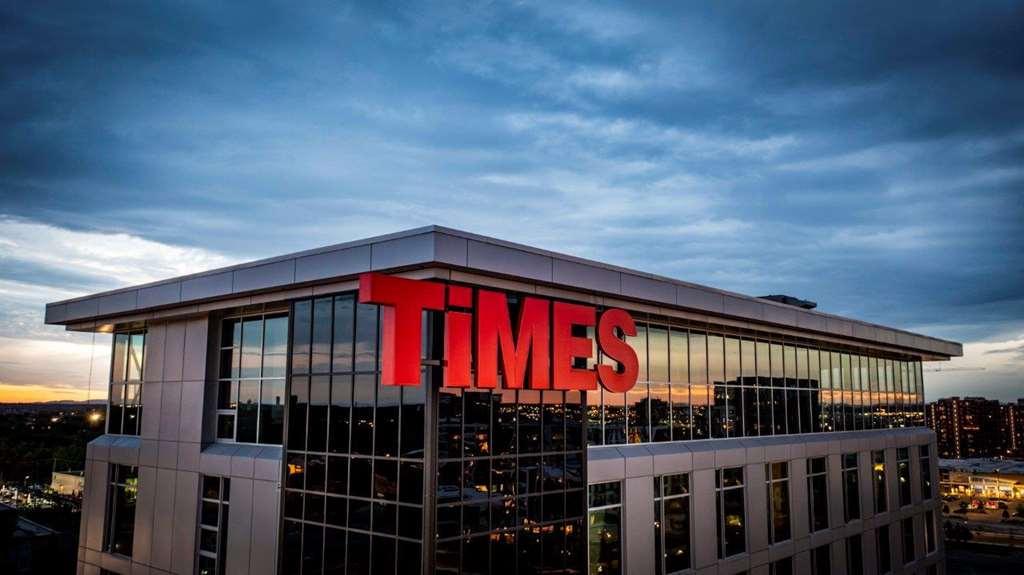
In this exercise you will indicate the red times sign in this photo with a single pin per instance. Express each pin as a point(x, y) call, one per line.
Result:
point(542, 343)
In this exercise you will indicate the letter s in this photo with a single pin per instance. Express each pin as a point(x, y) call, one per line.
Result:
point(618, 350)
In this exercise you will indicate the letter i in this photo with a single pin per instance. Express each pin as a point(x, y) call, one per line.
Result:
point(458, 338)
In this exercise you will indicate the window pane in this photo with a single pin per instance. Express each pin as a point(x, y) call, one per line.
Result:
point(362, 414)
point(340, 413)
point(252, 347)
point(605, 541)
point(135, 355)
point(272, 412)
point(679, 359)
point(676, 524)
point(276, 335)
point(117, 370)
point(303, 324)
point(657, 345)
point(320, 356)
point(366, 337)
point(248, 410)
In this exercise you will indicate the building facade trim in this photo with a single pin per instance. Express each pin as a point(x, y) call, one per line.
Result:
point(437, 246)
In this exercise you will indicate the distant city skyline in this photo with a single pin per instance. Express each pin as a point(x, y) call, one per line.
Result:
point(872, 168)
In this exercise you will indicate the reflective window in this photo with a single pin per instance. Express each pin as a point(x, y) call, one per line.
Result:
point(903, 474)
point(672, 523)
point(604, 525)
point(777, 476)
point(883, 550)
point(907, 528)
point(926, 473)
point(214, 496)
point(124, 414)
point(821, 560)
point(122, 493)
point(729, 495)
point(251, 379)
point(854, 554)
point(700, 391)
point(817, 492)
point(878, 480)
point(929, 531)
point(851, 487)
point(783, 566)
point(354, 480)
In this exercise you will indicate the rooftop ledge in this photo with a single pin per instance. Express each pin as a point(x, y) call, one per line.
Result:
point(445, 247)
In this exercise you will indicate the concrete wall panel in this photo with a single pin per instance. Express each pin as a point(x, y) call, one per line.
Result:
point(163, 519)
point(638, 493)
point(174, 351)
point(144, 514)
point(266, 509)
point(170, 410)
point(336, 263)
point(186, 505)
point(240, 526)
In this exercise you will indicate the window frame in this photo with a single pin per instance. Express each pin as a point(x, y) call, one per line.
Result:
point(113, 511)
point(120, 378)
point(811, 505)
point(770, 482)
point(721, 492)
point(851, 493)
point(660, 500)
point(591, 509)
point(234, 379)
point(222, 501)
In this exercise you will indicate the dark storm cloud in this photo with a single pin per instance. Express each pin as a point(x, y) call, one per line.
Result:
point(868, 156)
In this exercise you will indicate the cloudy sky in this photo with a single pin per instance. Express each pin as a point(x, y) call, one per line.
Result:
point(867, 156)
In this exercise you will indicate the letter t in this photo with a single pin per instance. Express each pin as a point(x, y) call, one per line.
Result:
point(402, 303)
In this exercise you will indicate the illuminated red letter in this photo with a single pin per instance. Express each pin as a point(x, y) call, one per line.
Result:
point(494, 331)
point(457, 338)
point(568, 347)
point(618, 350)
point(402, 303)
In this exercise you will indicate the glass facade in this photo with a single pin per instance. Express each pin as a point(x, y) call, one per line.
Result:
point(851, 487)
point(382, 479)
point(903, 475)
point(878, 481)
point(883, 550)
point(354, 479)
point(122, 494)
point(251, 378)
point(672, 523)
point(604, 521)
point(817, 492)
point(124, 415)
point(821, 560)
point(729, 492)
point(214, 499)
point(511, 482)
point(777, 475)
point(697, 384)
point(907, 528)
point(926, 473)
point(854, 554)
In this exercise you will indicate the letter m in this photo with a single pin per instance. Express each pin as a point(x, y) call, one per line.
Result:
point(531, 348)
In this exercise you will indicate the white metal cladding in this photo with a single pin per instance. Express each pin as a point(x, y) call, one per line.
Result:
point(444, 247)
point(636, 465)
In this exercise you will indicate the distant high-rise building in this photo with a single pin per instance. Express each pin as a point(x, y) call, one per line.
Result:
point(976, 427)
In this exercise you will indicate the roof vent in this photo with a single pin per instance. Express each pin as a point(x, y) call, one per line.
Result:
point(790, 300)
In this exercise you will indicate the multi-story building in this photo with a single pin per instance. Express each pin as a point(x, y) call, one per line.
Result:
point(973, 427)
point(438, 401)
